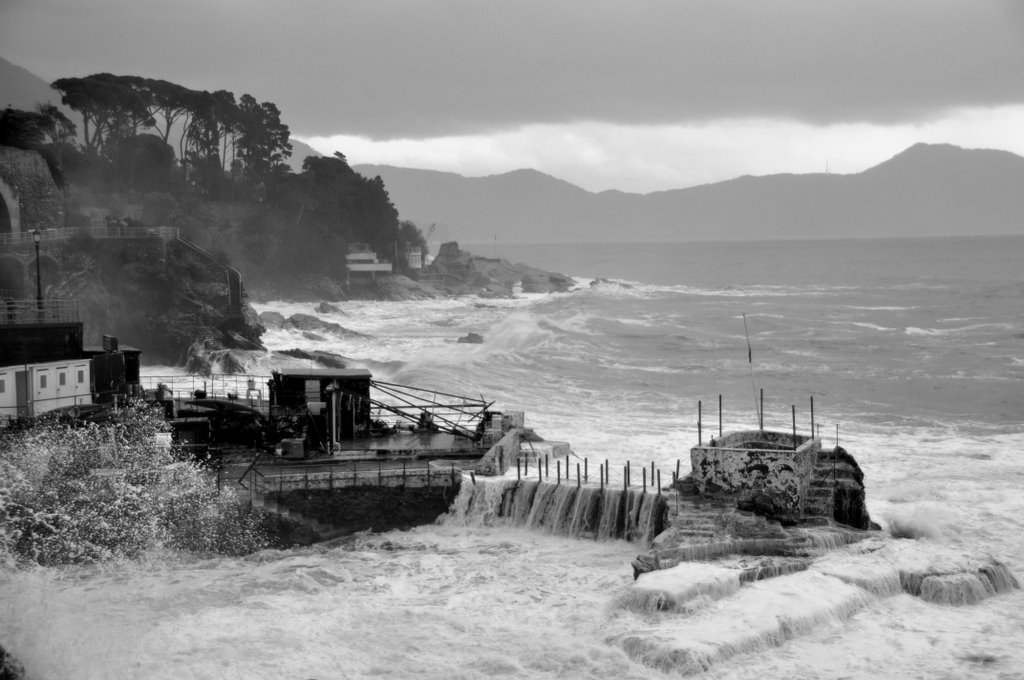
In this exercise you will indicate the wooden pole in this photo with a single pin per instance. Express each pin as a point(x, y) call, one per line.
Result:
point(547, 469)
point(600, 469)
point(812, 416)
point(644, 470)
point(586, 473)
point(700, 436)
point(540, 477)
point(659, 482)
point(794, 427)
point(519, 475)
point(577, 475)
point(760, 415)
point(625, 478)
point(558, 472)
point(677, 468)
point(719, 416)
point(627, 469)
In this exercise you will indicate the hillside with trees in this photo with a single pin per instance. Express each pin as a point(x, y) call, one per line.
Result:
point(216, 166)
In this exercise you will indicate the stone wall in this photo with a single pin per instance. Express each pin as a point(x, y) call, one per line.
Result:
point(758, 466)
point(33, 199)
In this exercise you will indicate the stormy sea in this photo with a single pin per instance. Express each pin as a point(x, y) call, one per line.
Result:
point(913, 351)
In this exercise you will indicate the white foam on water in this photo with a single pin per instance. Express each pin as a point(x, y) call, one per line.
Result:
point(761, 616)
point(678, 586)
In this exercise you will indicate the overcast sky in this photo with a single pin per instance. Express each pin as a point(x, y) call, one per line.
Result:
point(637, 95)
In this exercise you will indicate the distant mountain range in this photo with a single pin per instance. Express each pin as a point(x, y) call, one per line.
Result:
point(927, 190)
point(21, 89)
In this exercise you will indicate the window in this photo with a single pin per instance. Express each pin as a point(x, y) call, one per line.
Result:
point(81, 376)
point(62, 379)
point(3, 385)
point(42, 381)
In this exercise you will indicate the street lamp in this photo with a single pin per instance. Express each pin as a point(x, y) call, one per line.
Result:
point(36, 236)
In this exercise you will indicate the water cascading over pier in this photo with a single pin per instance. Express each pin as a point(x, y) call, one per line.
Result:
point(561, 509)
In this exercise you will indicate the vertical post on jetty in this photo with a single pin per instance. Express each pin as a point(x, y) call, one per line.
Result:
point(519, 475)
point(567, 467)
point(644, 470)
point(558, 472)
point(625, 478)
point(586, 473)
point(540, 477)
point(760, 415)
point(577, 475)
point(719, 416)
point(600, 469)
point(659, 482)
point(627, 469)
point(812, 416)
point(652, 472)
point(700, 435)
point(677, 468)
point(794, 427)
point(547, 470)
point(607, 470)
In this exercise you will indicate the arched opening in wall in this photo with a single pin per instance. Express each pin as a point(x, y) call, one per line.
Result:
point(12, 276)
point(6, 226)
point(49, 275)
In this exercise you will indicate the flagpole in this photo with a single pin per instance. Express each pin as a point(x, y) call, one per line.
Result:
point(750, 362)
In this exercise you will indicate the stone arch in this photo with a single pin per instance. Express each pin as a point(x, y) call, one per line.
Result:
point(12, 274)
point(10, 215)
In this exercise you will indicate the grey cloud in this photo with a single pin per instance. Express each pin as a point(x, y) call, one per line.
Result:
point(412, 69)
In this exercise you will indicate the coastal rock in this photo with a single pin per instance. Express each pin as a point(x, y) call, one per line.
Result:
point(472, 338)
point(464, 273)
point(324, 359)
point(313, 324)
point(272, 319)
point(399, 288)
point(328, 308)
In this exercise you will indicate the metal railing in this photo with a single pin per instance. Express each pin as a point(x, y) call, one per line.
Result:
point(248, 388)
point(20, 312)
point(107, 231)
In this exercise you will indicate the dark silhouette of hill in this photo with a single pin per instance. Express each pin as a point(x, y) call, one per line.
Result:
point(927, 190)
